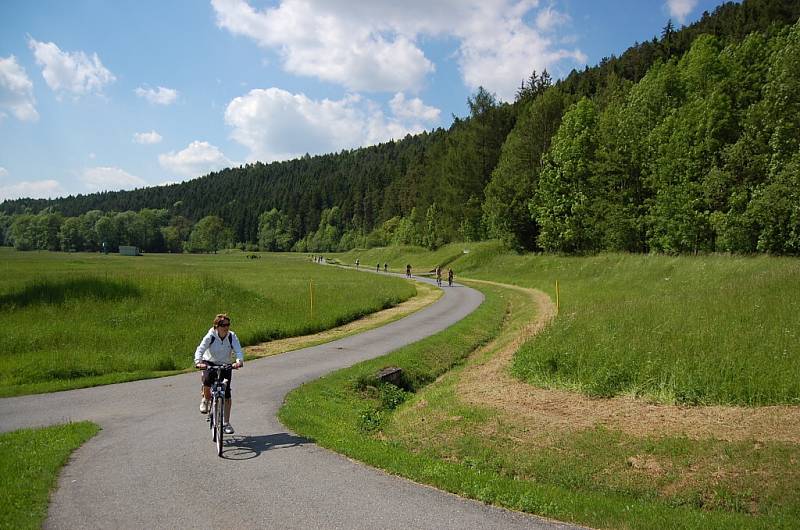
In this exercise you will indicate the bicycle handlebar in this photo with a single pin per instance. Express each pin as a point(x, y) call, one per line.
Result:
point(217, 366)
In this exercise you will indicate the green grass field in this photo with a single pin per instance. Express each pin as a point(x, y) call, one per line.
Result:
point(76, 320)
point(689, 329)
point(29, 469)
point(423, 431)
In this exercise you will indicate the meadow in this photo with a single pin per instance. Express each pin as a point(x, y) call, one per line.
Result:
point(710, 329)
point(602, 475)
point(77, 319)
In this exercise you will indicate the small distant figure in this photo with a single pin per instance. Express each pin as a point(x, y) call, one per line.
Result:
point(449, 277)
point(378, 267)
point(438, 276)
point(357, 263)
point(385, 267)
point(408, 271)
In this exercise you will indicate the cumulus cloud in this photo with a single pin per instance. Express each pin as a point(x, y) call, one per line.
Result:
point(498, 64)
point(373, 46)
point(36, 189)
point(413, 109)
point(315, 40)
point(73, 72)
point(16, 91)
point(158, 96)
point(277, 125)
point(3, 172)
point(680, 9)
point(197, 159)
point(151, 137)
point(110, 179)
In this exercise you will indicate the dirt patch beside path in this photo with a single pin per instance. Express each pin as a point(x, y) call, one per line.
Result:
point(490, 384)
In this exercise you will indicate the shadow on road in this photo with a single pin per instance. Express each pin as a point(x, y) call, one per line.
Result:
point(247, 447)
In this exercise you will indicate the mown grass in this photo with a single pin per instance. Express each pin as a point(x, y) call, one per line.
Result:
point(29, 469)
point(73, 320)
point(427, 434)
point(599, 477)
point(691, 329)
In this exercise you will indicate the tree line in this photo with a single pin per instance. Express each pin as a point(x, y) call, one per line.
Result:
point(149, 229)
point(686, 143)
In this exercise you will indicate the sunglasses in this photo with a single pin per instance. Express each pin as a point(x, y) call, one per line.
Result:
point(224, 325)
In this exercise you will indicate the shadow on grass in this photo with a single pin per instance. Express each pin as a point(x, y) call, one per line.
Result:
point(40, 292)
point(248, 447)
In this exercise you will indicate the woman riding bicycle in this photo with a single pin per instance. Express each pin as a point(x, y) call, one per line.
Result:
point(216, 348)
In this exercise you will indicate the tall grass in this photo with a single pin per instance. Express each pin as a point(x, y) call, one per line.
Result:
point(689, 329)
point(79, 317)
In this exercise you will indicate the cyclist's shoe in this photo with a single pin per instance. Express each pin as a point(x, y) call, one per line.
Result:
point(228, 428)
point(204, 406)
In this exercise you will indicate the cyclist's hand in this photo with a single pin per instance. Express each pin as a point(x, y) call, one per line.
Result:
point(237, 365)
point(201, 366)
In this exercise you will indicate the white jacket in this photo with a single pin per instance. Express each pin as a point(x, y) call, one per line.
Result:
point(219, 350)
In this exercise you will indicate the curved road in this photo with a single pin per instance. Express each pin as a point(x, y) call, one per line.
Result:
point(153, 464)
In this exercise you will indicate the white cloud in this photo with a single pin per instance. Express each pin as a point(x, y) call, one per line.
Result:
point(3, 172)
point(499, 64)
point(680, 9)
point(197, 159)
point(16, 91)
point(72, 72)
point(373, 45)
point(413, 109)
point(37, 189)
point(277, 125)
point(159, 96)
point(110, 178)
point(549, 19)
point(319, 42)
point(151, 137)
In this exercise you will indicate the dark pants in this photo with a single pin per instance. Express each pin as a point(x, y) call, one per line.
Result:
point(209, 376)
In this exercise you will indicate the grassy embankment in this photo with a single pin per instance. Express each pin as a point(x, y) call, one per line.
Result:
point(594, 475)
point(29, 469)
point(694, 330)
point(74, 320)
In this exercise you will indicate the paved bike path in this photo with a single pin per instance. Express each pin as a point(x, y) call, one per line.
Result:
point(153, 465)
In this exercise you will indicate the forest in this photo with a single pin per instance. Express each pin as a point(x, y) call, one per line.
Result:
point(686, 143)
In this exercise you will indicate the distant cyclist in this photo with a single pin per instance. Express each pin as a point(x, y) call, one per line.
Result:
point(449, 277)
point(438, 276)
point(218, 347)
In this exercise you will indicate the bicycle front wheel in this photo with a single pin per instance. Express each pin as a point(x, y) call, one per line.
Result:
point(218, 432)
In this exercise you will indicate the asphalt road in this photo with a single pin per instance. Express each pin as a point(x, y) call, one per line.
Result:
point(153, 465)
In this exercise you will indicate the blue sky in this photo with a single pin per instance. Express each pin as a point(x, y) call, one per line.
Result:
point(107, 95)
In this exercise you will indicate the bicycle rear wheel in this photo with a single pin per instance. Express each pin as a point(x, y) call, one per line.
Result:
point(218, 432)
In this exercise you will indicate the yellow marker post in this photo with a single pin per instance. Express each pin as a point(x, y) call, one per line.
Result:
point(311, 292)
point(558, 296)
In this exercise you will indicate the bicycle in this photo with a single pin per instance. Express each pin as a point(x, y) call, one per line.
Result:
point(216, 412)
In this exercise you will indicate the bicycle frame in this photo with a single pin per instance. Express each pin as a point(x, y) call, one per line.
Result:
point(217, 411)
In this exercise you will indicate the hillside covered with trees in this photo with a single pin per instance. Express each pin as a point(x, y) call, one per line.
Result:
point(686, 143)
